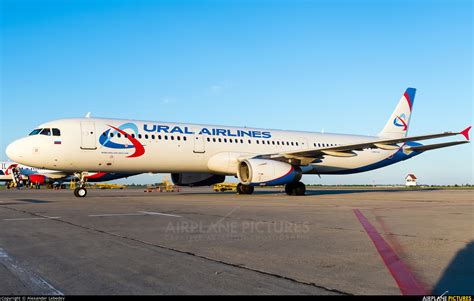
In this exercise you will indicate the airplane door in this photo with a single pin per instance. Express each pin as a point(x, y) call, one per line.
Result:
point(88, 137)
point(199, 144)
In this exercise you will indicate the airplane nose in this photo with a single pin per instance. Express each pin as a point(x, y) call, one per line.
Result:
point(13, 151)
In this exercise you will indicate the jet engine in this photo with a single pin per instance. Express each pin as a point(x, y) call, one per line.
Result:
point(267, 172)
point(196, 179)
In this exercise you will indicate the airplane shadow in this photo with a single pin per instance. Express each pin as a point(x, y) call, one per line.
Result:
point(310, 191)
point(458, 277)
point(349, 191)
point(33, 201)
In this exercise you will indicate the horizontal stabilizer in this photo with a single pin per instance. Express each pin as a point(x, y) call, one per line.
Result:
point(465, 132)
point(423, 148)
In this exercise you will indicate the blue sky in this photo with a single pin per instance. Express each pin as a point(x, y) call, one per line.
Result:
point(340, 66)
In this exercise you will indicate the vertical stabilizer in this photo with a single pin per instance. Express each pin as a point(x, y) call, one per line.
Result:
point(397, 124)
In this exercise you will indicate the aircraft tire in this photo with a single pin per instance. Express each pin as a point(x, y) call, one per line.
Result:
point(80, 192)
point(244, 189)
point(297, 188)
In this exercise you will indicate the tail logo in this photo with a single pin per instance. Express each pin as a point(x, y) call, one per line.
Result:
point(400, 121)
point(106, 139)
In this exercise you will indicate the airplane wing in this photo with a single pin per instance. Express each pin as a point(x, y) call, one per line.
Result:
point(315, 154)
point(423, 148)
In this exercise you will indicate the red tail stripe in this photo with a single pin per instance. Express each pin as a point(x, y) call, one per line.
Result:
point(408, 99)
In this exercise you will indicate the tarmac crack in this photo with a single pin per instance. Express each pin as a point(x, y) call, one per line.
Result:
point(234, 265)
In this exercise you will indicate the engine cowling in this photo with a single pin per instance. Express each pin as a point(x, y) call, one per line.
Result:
point(196, 179)
point(37, 179)
point(267, 172)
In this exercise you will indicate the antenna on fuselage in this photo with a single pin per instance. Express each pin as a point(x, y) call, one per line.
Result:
point(88, 115)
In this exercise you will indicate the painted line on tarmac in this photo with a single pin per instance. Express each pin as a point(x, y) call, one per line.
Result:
point(406, 281)
point(31, 218)
point(35, 283)
point(139, 213)
point(115, 214)
point(158, 213)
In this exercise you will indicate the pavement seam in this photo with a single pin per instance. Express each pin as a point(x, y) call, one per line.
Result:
point(189, 253)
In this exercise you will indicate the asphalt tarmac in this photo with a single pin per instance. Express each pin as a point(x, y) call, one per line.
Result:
point(344, 241)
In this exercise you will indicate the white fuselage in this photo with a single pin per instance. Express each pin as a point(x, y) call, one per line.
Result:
point(94, 144)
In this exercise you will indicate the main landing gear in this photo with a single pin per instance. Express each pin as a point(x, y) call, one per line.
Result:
point(81, 191)
point(296, 188)
point(244, 189)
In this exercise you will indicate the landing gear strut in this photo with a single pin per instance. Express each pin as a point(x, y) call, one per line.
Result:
point(296, 188)
point(244, 189)
point(81, 191)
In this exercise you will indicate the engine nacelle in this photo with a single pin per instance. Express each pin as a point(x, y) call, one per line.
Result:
point(196, 179)
point(267, 172)
point(37, 179)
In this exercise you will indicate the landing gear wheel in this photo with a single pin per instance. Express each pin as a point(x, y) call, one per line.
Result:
point(80, 192)
point(244, 189)
point(297, 188)
point(289, 188)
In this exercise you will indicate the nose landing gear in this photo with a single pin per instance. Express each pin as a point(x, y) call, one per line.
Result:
point(81, 191)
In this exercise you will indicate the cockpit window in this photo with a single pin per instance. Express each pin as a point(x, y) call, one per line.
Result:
point(35, 132)
point(46, 132)
point(56, 132)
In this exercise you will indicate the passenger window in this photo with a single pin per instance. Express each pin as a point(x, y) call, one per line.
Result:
point(220, 140)
point(172, 137)
point(139, 136)
point(250, 141)
point(208, 139)
point(213, 139)
point(126, 135)
point(296, 143)
point(111, 135)
point(118, 135)
point(166, 137)
point(146, 136)
point(225, 140)
point(258, 142)
point(35, 132)
point(292, 143)
point(273, 142)
point(179, 138)
point(230, 140)
point(133, 135)
point(153, 137)
point(46, 132)
point(184, 138)
point(56, 132)
point(241, 140)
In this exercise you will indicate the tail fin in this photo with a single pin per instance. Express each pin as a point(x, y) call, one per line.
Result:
point(397, 125)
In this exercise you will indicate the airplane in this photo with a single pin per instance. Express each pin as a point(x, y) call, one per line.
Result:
point(18, 173)
point(201, 155)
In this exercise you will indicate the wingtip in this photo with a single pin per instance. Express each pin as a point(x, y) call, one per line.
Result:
point(465, 132)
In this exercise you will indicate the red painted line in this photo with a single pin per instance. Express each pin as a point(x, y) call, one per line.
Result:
point(406, 281)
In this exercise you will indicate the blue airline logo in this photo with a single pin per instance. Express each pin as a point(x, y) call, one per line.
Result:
point(155, 128)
